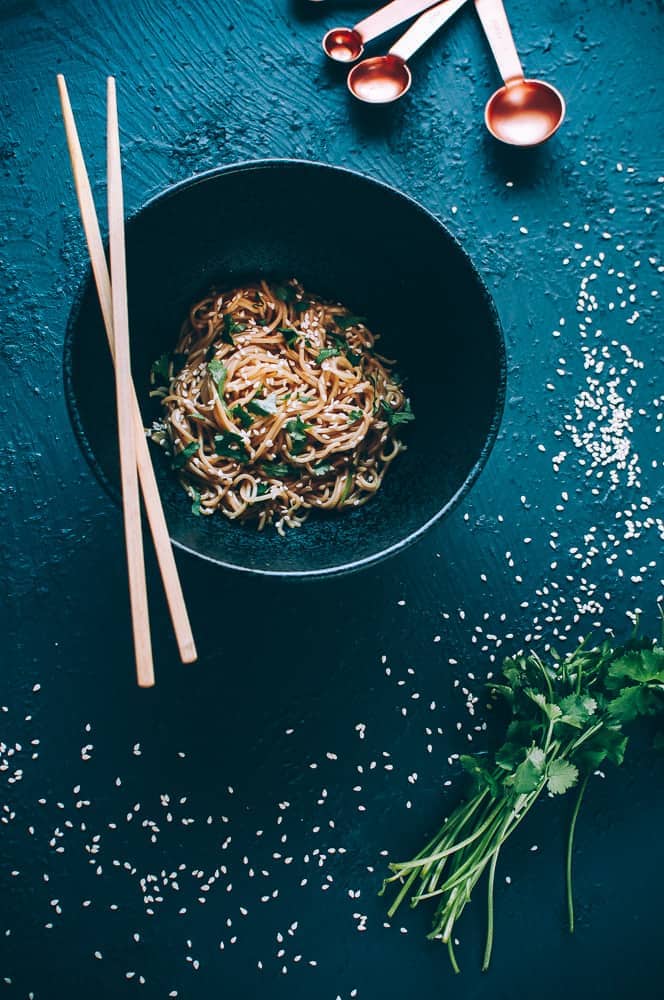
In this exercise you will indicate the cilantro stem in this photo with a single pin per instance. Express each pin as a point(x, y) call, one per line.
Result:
point(453, 961)
point(489, 922)
point(570, 849)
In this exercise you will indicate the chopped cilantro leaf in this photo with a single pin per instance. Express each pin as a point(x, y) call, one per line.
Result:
point(321, 468)
point(297, 429)
point(195, 501)
point(345, 322)
point(238, 412)
point(354, 416)
point(327, 352)
point(182, 457)
point(286, 293)
point(161, 368)
point(395, 417)
point(277, 469)
point(231, 446)
point(301, 306)
point(265, 407)
point(231, 327)
point(219, 373)
point(262, 489)
point(290, 335)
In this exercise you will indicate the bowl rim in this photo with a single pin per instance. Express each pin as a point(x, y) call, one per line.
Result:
point(289, 163)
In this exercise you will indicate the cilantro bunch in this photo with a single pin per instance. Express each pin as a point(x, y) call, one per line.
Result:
point(567, 717)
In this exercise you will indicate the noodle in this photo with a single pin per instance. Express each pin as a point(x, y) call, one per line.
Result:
point(276, 404)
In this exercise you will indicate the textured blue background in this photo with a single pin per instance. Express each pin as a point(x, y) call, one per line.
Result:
point(289, 675)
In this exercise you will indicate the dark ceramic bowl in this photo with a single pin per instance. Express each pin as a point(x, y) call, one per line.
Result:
point(345, 237)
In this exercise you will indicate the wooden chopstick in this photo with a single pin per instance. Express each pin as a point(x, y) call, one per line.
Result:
point(154, 509)
point(131, 503)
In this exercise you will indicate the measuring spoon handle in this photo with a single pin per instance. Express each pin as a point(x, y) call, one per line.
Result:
point(390, 16)
point(425, 26)
point(499, 35)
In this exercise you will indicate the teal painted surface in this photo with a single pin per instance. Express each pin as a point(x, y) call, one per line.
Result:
point(531, 552)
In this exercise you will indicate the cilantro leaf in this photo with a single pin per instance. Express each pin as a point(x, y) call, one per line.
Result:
point(302, 306)
point(641, 665)
point(195, 501)
point(552, 712)
point(296, 428)
point(182, 457)
point(577, 709)
point(509, 756)
point(265, 407)
point(262, 489)
point(231, 445)
point(345, 322)
point(230, 328)
point(561, 776)
point(161, 368)
point(327, 352)
point(529, 774)
point(395, 417)
point(238, 412)
point(277, 469)
point(483, 777)
point(219, 373)
point(321, 468)
point(634, 701)
point(286, 293)
point(355, 415)
point(289, 334)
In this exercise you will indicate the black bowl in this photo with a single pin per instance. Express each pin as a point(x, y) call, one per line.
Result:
point(346, 237)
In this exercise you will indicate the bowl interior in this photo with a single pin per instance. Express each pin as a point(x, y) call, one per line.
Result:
point(345, 237)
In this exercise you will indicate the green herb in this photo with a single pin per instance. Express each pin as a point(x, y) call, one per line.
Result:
point(302, 306)
point(265, 407)
point(345, 347)
point(286, 293)
point(230, 328)
point(395, 417)
point(345, 322)
point(197, 416)
point(238, 412)
point(297, 429)
point(277, 469)
point(196, 501)
point(231, 445)
point(327, 352)
point(161, 368)
point(290, 335)
point(182, 457)
point(354, 416)
point(348, 485)
point(219, 373)
point(262, 489)
point(321, 468)
point(567, 719)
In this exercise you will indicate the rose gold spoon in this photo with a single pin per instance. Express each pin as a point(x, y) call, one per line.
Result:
point(347, 44)
point(387, 78)
point(523, 112)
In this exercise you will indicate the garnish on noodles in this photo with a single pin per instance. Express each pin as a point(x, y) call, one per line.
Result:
point(275, 404)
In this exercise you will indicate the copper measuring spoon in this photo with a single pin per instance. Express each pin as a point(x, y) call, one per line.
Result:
point(523, 112)
point(387, 78)
point(347, 44)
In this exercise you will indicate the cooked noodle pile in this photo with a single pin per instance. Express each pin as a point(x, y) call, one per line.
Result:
point(275, 403)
